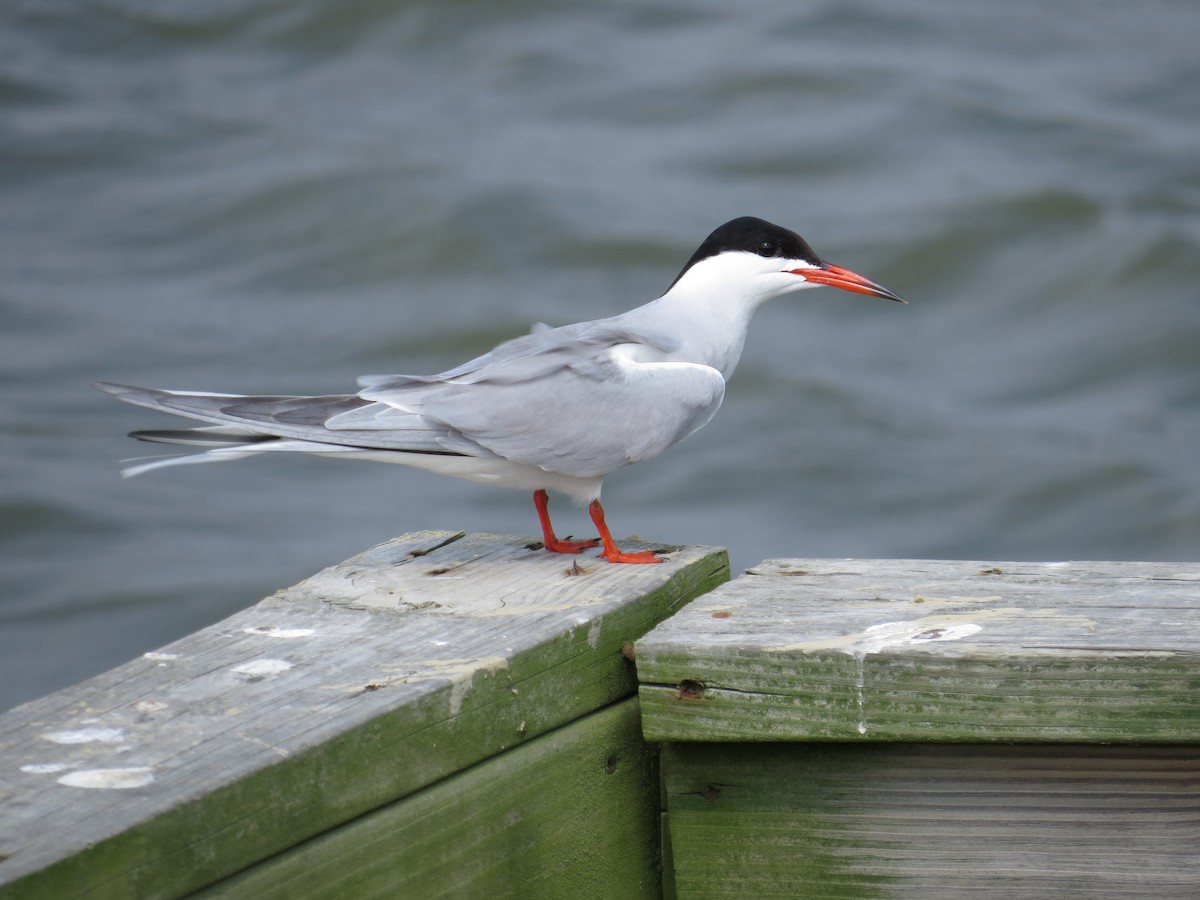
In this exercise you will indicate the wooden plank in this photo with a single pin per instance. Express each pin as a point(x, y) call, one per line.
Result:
point(323, 702)
point(573, 813)
point(931, 821)
point(931, 650)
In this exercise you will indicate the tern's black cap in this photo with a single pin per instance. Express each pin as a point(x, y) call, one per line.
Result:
point(753, 235)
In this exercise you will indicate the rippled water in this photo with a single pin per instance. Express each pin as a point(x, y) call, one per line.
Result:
point(277, 197)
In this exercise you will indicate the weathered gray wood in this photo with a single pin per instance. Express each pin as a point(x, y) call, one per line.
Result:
point(328, 700)
point(931, 650)
point(932, 821)
point(573, 813)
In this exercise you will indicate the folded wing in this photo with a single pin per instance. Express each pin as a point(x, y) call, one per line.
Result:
point(582, 400)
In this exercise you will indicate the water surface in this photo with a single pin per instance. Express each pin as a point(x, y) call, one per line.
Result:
point(277, 197)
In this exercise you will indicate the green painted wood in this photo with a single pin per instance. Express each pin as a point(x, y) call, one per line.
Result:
point(328, 700)
point(885, 650)
point(932, 820)
point(573, 813)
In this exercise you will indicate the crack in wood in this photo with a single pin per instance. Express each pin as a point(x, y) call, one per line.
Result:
point(425, 551)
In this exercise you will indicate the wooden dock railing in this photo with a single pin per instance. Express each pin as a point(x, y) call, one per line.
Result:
point(443, 714)
point(450, 715)
point(900, 728)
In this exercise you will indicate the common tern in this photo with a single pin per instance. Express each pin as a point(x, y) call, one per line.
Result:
point(557, 409)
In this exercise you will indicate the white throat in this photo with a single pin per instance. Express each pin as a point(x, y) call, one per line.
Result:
point(710, 307)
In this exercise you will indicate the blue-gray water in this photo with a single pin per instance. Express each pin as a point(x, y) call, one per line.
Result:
point(279, 196)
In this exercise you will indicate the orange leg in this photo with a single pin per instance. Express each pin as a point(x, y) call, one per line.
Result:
point(542, 501)
point(611, 552)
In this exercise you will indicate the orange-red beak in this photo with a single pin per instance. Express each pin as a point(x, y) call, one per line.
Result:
point(836, 276)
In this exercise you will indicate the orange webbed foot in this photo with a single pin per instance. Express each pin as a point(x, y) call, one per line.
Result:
point(637, 557)
point(569, 546)
point(612, 552)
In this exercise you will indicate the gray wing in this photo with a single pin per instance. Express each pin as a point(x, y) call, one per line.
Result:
point(574, 400)
point(541, 352)
point(586, 425)
point(303, 418)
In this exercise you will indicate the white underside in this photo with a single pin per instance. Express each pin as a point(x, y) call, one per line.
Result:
point(488, 470)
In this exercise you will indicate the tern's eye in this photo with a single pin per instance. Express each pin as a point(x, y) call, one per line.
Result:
point(767, 248)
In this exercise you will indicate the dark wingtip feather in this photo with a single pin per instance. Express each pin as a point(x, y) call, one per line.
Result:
point(200, 437)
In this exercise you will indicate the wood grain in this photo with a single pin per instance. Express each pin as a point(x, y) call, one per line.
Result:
point(573, 813)
point(932, 820)
point(931, 650)
point(370, 681)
